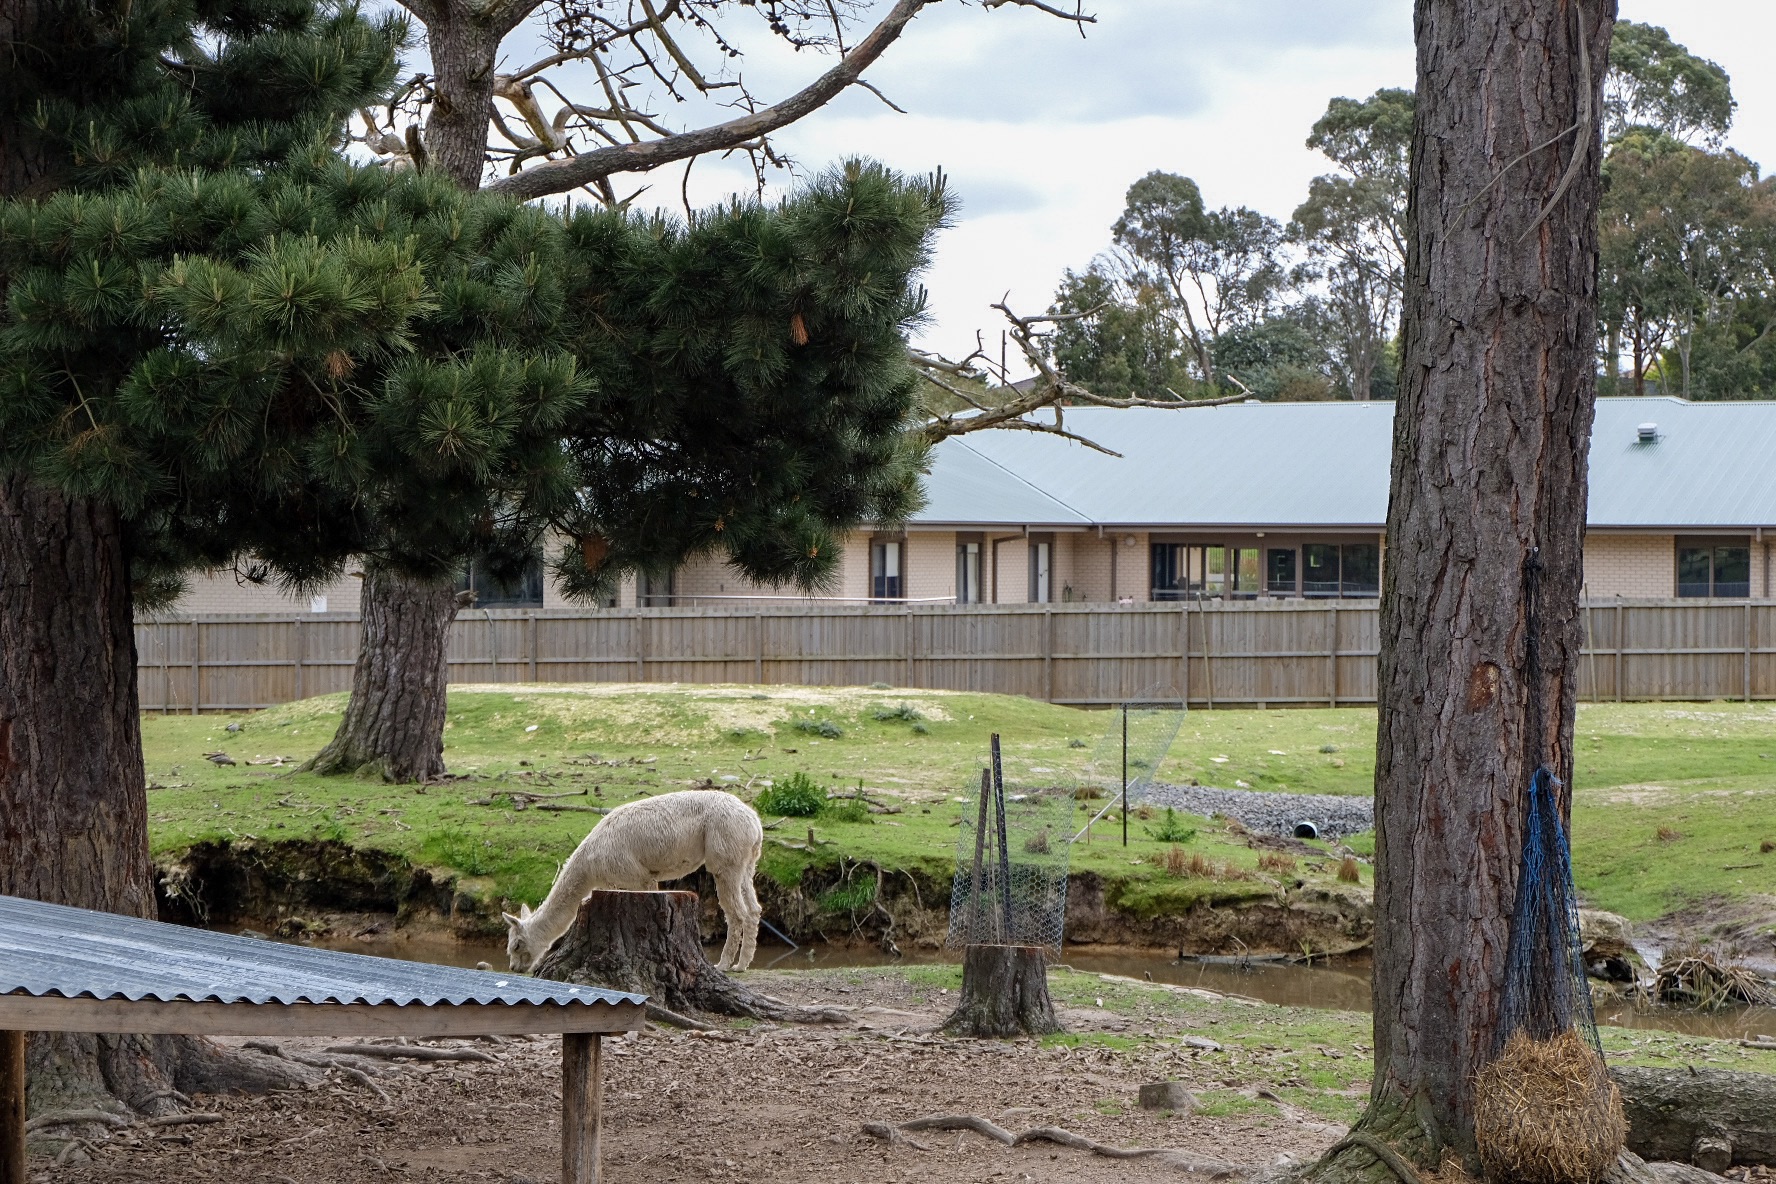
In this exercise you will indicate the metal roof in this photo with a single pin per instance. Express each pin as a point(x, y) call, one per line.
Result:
point(1325, 466)
point(54, 950)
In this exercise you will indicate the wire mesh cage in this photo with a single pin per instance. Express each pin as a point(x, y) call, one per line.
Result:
point(1011, 860)
point(1133, 745)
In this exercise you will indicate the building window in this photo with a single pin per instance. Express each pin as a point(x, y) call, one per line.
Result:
point(1713, 567)
point(655, 591)
point(1361, 574)
point(1242, 573)
point(524, 592)
point(1041, 570)
point(1194, 571)
point(1349, 570)
point(968, 573)
point(885, 577)
point(1279, 571)
point(1319, 563)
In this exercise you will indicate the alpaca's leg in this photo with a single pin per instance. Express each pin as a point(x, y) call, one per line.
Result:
point(749, 931)
point(727, 894)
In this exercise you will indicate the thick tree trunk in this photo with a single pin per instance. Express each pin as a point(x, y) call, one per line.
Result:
point(650, 943)
point(1485, 525)
point(1711, 1117)
point(1004, 993)
point(73, 807)
point(394, 723)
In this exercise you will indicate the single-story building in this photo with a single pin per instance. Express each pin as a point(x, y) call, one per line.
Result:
point(1242, 501)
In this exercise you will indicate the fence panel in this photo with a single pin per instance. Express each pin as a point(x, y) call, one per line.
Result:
point(1262, 653)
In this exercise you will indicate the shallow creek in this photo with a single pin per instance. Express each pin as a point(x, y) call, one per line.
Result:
point(1342, 984)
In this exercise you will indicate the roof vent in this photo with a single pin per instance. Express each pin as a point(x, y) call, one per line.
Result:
point(1647, 432)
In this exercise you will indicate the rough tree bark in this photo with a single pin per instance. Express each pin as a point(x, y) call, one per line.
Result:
point(1004, 993)
point(73, 808)
point(650, 943)
point(394, 722)
point(1485, 526)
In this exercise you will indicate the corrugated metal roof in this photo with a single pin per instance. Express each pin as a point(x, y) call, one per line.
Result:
point(49, 949)
point(1325, 465)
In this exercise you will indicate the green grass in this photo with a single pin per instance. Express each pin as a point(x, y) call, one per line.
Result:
point(1706, 771)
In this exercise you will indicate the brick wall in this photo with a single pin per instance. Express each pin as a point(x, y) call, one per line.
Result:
point(223, 592)
point(1635, 565)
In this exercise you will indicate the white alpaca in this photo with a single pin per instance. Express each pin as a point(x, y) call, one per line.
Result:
point(640, 843)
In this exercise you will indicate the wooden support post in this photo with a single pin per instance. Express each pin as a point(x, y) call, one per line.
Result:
point(1748, 651)
point(1332, 659)
point(12, 1108)
point(582, 1107)
point(1048, 653)
point(1621, 642)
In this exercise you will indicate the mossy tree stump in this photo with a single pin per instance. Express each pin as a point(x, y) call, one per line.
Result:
point(1004, 993)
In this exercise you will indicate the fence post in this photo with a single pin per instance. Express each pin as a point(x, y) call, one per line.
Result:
point(1332, 657)
point(296, 657)
point(908, 645)
point(196, 664)
point(758, 652)
point(166, 674)
point(640, 647)
point(1621, 644)
point(1202, 608)
point(533, 645)
point(1748, 651)
point(1184, 653)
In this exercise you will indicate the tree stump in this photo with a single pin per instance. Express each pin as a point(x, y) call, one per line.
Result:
point(1704, 1116)
point(1004, 993)
point(650, 943)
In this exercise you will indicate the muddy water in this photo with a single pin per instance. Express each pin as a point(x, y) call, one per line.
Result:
point(1341, 985)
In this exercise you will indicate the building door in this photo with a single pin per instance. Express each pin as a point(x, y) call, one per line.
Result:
point(885, 580)
point(1041, 567)
point(968, 573)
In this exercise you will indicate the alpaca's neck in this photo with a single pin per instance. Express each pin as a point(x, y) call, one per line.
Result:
point(552, 918)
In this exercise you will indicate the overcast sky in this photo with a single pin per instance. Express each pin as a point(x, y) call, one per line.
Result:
point(1042, 132)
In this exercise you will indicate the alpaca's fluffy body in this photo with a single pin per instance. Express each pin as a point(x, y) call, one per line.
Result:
point(641, 843)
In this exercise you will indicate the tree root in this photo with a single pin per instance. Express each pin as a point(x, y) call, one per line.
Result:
point(411, 1052)
point(333, 1063)
point(1171, 1156)
point(1365, 1141)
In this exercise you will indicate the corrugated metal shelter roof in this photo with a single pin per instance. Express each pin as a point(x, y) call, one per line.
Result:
point(1325, 465)
point(53, 950)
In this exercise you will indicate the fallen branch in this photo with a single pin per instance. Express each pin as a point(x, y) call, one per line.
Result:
point(1170, 1156)
point(75, 1118)
point(395, 1052)
point(195, 1118)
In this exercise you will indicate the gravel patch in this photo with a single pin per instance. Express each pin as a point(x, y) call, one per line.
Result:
point(1332, 815)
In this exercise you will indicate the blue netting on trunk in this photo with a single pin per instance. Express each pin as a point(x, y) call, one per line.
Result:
point(1546, 991)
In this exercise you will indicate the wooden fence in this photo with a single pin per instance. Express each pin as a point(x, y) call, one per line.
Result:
point(1259, 654)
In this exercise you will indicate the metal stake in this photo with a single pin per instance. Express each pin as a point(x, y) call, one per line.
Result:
point(1125, 774)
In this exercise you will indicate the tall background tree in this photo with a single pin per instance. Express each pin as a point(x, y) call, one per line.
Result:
point(578, 117)
point(1480, 629)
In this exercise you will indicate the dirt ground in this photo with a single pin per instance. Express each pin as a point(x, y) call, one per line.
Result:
point(770, 1103)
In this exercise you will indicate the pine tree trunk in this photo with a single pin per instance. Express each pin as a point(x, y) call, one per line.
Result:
point(1489, 478)
point(650, 943)
point(73, 807)
point(1004, 993)
point(394, 723)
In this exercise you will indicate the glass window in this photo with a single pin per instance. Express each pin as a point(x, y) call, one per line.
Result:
point(885, 581)
point(524, 592)
point(1279, 571)
point(1041, 560)
point(968, 573)
point(1319, 575)
point(655, 591)
point(1732, 571)
point(1361, 564)
point(1245, 573)
point(1168, 571)
point(1712, 567)
point(1189, 571)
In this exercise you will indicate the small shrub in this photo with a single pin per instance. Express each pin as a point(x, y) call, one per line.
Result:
point(1087, 793)
point(1767, 846)
point(746, 735)
point(1144, 812)
point(1200, 867)
point(906, 713)
point(1276, 861)
point(1076, 742)
point(819, 727)
point(1037, 844)
point(1174, 862)
point(845, 810)
point(1328, 748)
point(848, 898)
point(1171, 829)
point(919, 729)
point(1667, 835)
point(1231, 871)
point(880, 686)
point(796, 796)
point(1349, 872)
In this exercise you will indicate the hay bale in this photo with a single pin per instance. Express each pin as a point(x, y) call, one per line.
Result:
point(1546, 1112)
